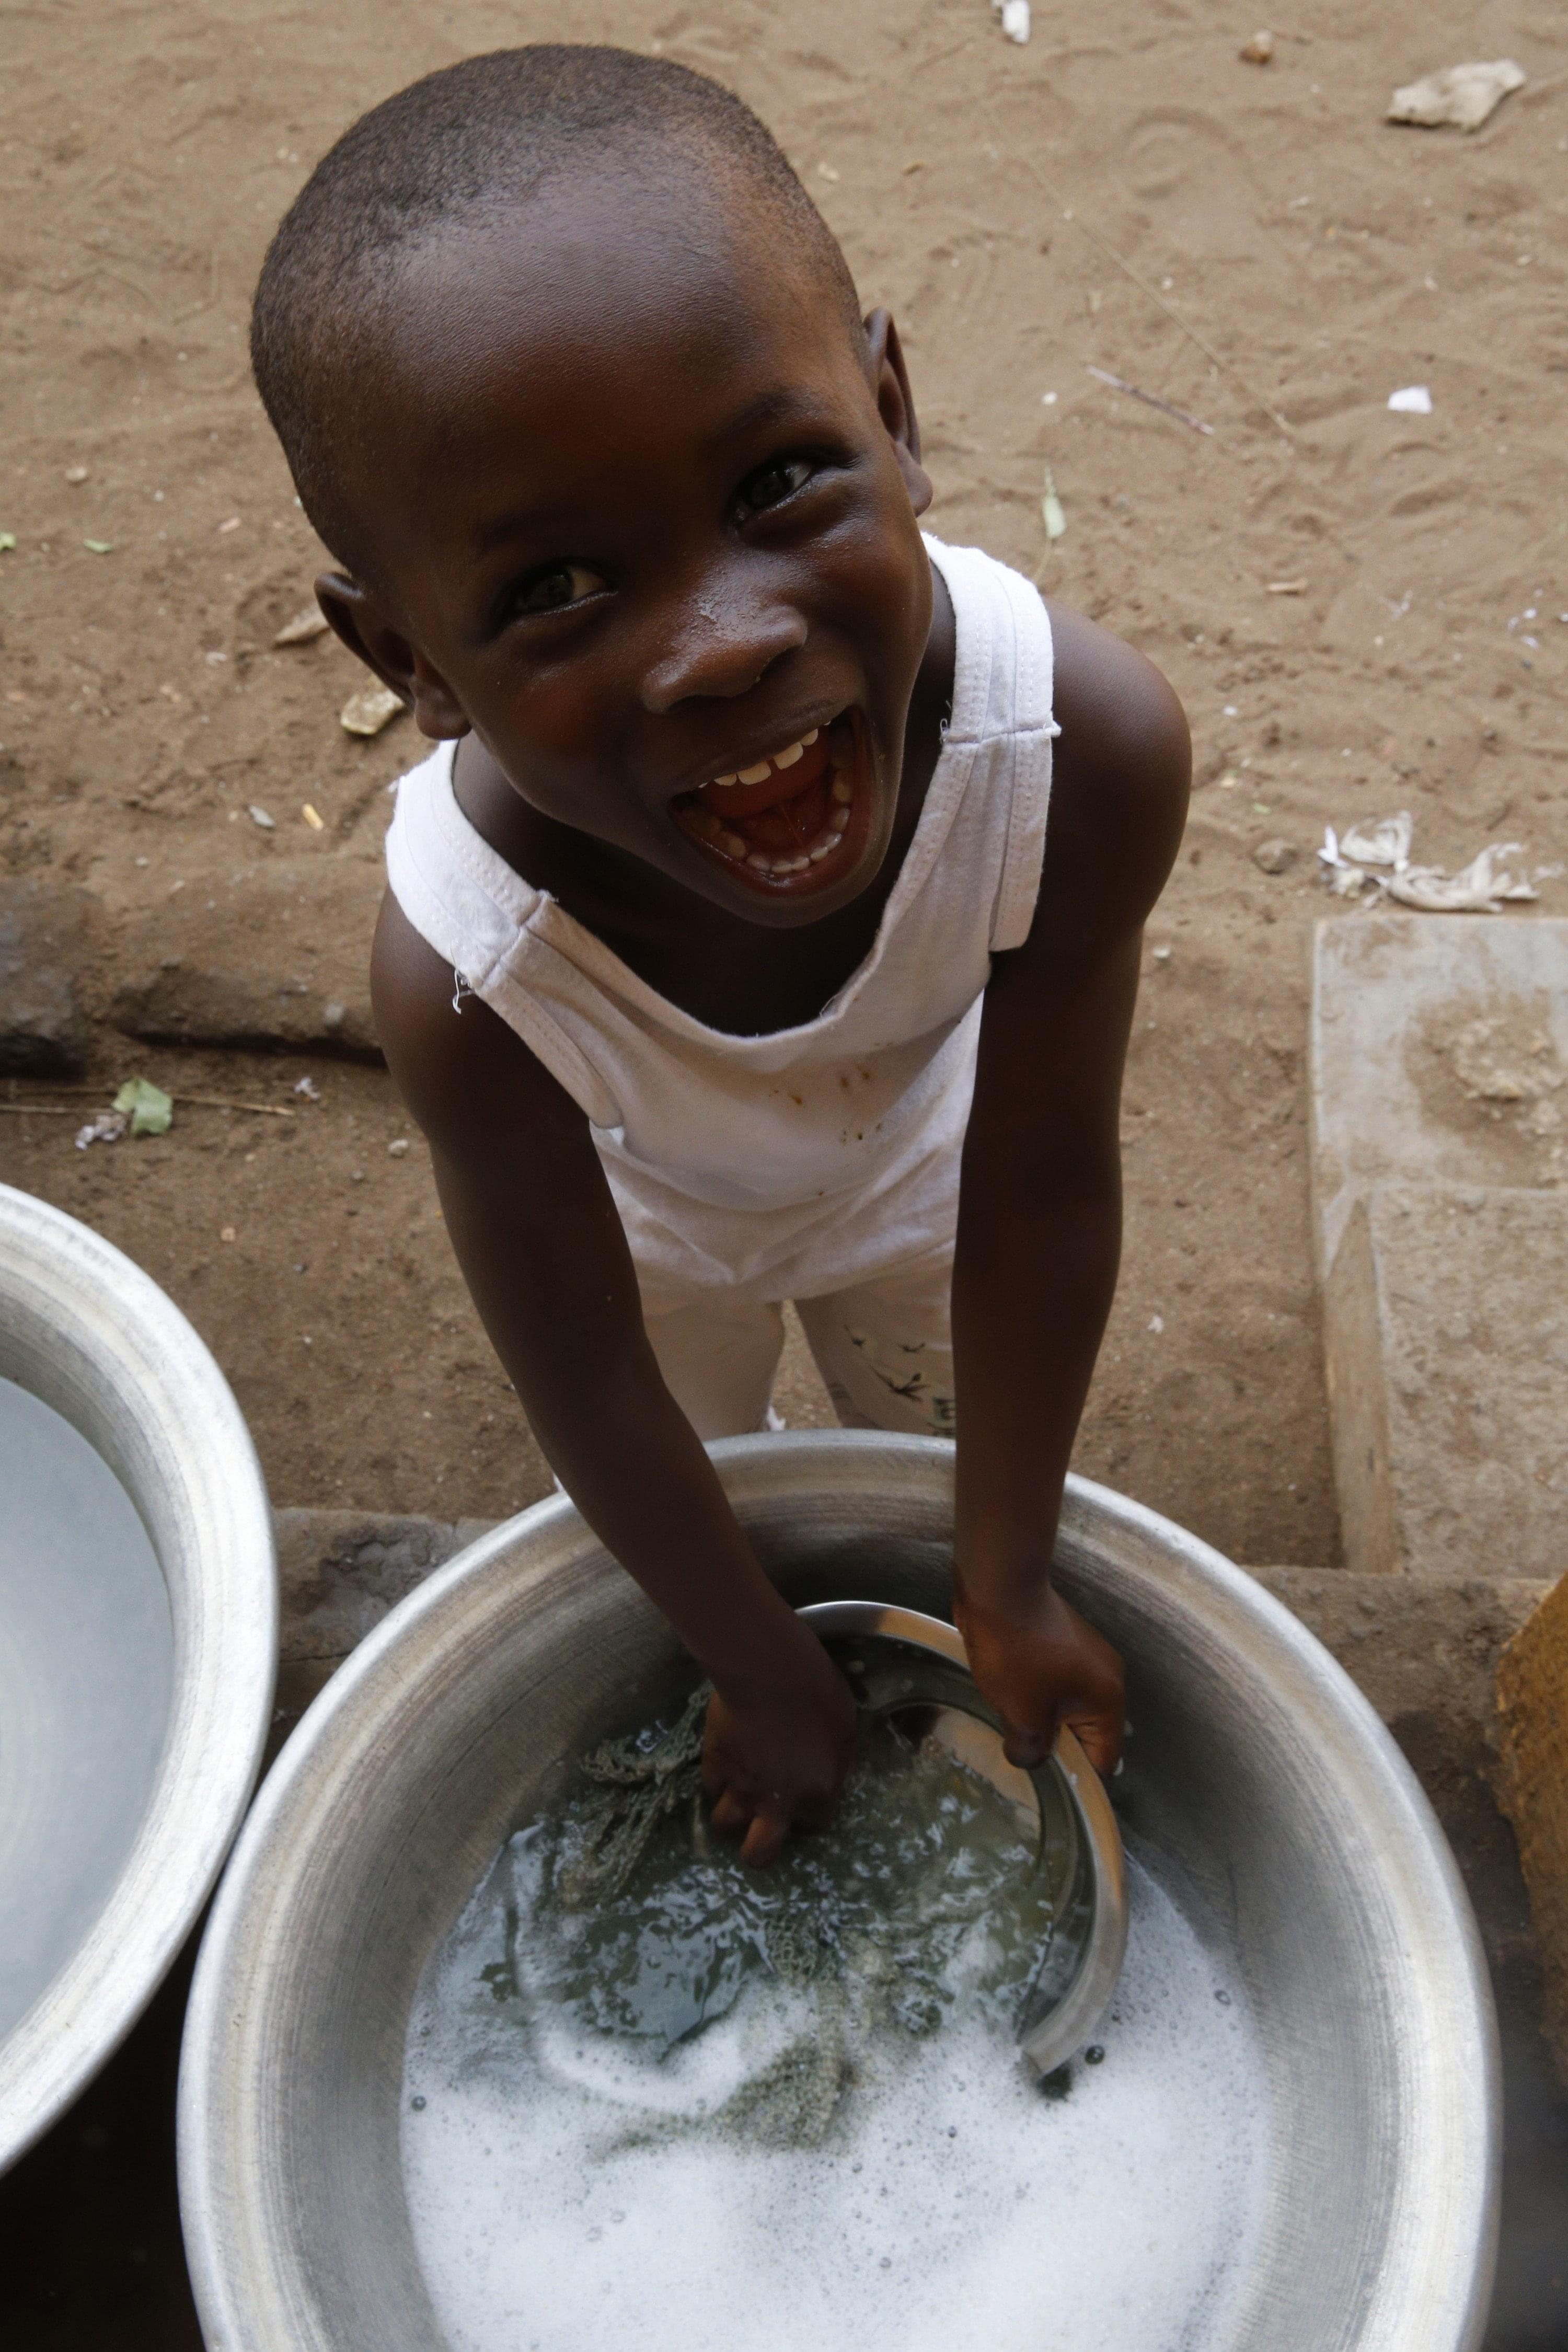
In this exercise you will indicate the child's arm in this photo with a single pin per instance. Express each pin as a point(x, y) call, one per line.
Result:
point(1039, 1228)
point(539, 1241)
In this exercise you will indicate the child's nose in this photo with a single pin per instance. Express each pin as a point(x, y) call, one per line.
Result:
point(720, 649)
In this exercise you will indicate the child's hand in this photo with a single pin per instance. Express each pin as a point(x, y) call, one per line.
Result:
point(779, 1755)
point(1040, 1665)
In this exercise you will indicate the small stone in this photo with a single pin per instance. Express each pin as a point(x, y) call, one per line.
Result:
point(1259, 49)
point(258, 816)
point(396, 1150)
point(76, 474)
point(371, 710)
point(307, 624)
point(1274, 856)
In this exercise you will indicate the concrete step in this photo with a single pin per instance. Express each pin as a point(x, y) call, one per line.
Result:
point(1439, 1106)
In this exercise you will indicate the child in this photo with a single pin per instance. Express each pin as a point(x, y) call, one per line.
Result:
point(728, 957)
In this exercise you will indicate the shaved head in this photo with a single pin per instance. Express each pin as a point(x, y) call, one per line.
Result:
point(467, 152)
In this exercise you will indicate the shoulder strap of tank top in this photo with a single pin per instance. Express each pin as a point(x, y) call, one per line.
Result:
point(1032, 731)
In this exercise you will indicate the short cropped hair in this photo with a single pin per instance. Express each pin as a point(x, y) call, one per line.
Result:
point(462, 146)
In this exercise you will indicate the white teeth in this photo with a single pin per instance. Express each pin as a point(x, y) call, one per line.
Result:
point(764, 865)
point(731, 845)
point(760, 770)
point(843, 793)
point(823, 849)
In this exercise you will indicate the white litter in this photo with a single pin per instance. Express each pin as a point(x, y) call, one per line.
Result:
point(1052, 510)
point(1461, 95)
point(107, 1127)
point(1014, 16)
point(308, 1087)
point(258, 816)
point(1385, 843)
point(1377, 855)
point(1415, 400)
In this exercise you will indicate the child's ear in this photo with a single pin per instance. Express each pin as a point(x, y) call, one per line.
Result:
point(361, 620)
point(895, 402)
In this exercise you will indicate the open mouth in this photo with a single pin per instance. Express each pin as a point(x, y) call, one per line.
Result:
point(794, 821)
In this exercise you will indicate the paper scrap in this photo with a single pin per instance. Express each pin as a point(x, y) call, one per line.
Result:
point(1054, 520)
point(1415, 400)
point(107, 1127)
point(1461, 95)
point(1377, 854)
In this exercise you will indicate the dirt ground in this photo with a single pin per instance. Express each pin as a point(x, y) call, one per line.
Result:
point(1125, 194)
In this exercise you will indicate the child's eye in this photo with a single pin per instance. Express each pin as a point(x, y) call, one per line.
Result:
point(557, 586)
point(772, 484)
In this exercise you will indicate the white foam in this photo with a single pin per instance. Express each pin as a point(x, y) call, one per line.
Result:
point(952, 2205)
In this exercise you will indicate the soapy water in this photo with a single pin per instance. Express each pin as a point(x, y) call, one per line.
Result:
point(762, 2109)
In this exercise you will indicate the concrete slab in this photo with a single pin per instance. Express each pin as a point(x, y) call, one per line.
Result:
point(339, 1573)
point(1438, 1056)
point(1445, 1339)
point(1439, 1062)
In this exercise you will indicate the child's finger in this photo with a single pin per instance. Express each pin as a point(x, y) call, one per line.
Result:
point(1100, 1736)
point(764, 1840)
point(730, 1812)
point(1026, 1749)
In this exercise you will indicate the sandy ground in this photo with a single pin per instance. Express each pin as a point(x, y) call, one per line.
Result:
point(1295, 254)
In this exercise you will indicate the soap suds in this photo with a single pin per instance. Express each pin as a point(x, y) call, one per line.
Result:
point(568, 2193)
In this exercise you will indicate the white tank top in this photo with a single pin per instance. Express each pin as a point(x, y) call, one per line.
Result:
point(799, 1163)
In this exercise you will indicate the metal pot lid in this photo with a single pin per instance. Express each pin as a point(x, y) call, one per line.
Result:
point(899, 1662)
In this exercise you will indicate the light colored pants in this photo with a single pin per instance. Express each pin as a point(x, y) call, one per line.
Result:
point(884, 1348)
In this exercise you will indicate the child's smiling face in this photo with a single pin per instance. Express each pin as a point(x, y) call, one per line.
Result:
point(643, 508)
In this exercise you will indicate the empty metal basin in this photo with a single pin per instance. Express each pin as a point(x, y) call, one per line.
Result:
point(1253, 1765)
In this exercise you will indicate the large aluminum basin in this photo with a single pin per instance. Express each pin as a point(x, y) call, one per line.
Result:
point(110, 1878)
point(1255, 1764)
